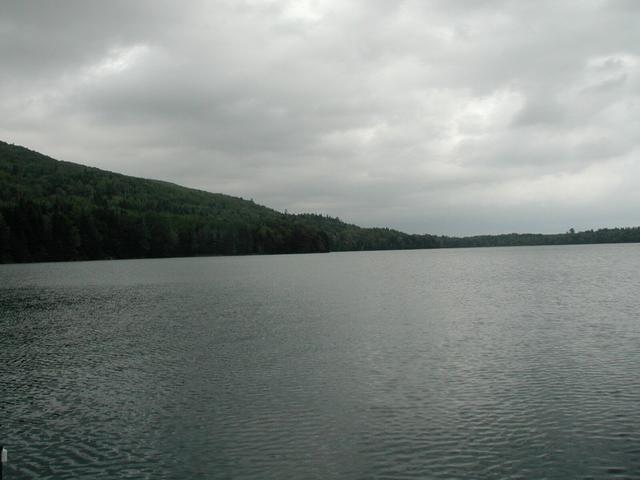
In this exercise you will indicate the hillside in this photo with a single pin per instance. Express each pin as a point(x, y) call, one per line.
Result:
point(53, 210)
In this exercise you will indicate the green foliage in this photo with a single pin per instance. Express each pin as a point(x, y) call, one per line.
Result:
point(604, 235)
point(53, 210)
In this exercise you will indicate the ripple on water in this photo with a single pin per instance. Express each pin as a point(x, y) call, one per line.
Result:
point(489, 363)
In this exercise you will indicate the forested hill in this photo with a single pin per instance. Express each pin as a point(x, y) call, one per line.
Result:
point(54, 210)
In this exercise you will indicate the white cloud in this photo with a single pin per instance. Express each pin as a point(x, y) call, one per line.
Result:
point(117, 60)
point(444, 117)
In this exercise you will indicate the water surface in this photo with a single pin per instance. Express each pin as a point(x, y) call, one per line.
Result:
point(475, 363)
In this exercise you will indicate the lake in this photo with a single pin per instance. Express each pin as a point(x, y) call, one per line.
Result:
point(484, 363)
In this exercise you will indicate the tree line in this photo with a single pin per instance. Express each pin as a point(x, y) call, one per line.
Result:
point(52, 210)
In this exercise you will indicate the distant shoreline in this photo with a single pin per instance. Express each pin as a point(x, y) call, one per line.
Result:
point(314, 253)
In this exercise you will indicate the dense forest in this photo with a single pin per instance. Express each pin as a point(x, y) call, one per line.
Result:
point(52, 210)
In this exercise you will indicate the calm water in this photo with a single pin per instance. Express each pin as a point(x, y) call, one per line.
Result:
point(479, 363)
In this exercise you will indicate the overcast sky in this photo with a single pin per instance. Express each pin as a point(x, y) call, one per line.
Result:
point(446, 117)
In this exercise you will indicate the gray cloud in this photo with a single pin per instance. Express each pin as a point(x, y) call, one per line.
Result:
point(428, 116)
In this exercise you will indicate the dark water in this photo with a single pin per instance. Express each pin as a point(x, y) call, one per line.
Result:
point(483, 363)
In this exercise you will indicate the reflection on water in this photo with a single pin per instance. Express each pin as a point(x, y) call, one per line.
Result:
point(485, 363)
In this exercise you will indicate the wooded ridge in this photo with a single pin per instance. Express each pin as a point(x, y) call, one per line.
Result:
point(52, 210)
